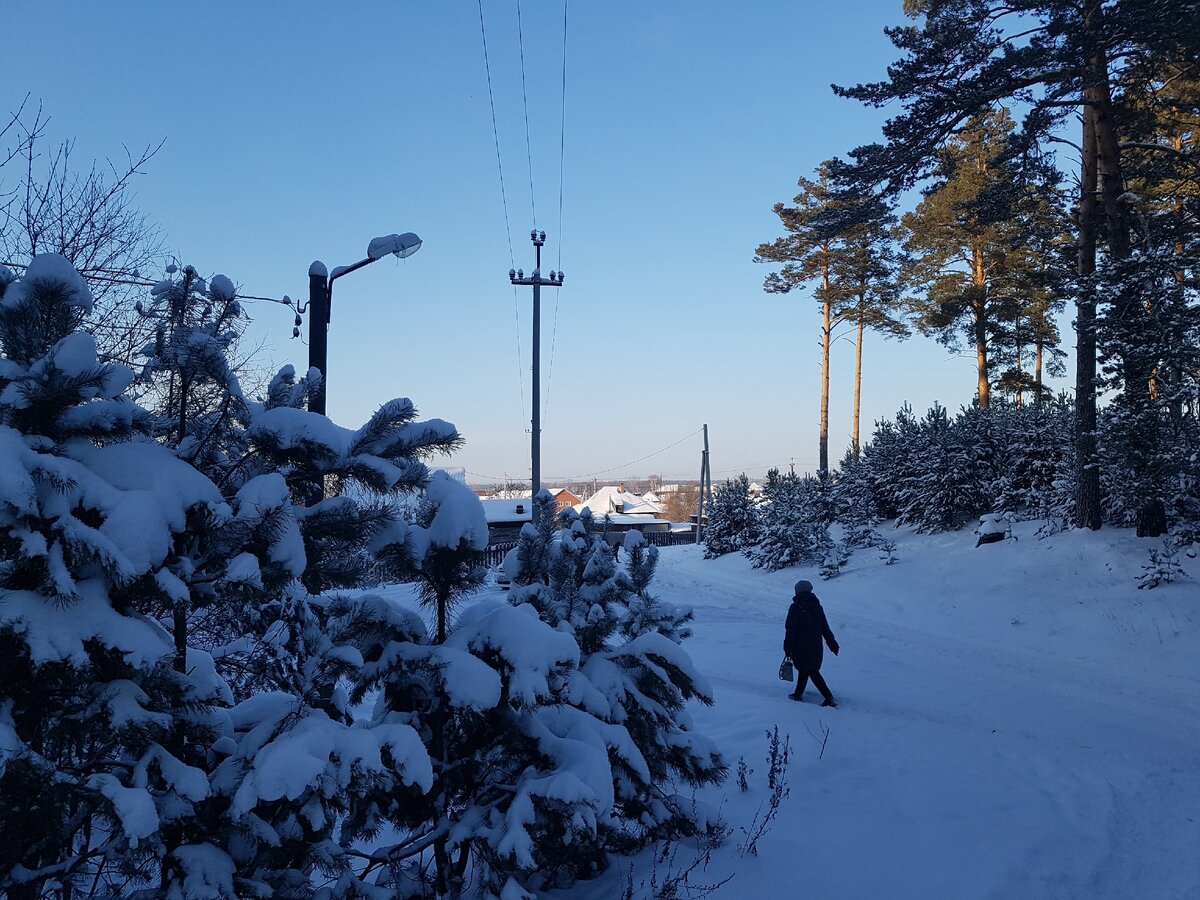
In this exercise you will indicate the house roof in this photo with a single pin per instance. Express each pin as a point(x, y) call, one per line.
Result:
point(500, 512)
point(610, 499)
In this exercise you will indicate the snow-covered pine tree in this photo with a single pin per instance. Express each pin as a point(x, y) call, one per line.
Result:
point(646, 613)
point(943, 489)
point(1150, 325)
point(522, 781)
point(630, 688)
point(890, 458)
point(1036, 453)
point(855, 498)
point(96, 704)
point(732, 523)
point(125, 564)
point(793, 527)
point(288, 828)
point(290, 756)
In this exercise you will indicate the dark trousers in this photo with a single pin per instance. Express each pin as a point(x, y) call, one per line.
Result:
point(818, 682)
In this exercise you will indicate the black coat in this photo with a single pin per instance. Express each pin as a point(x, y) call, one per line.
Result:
point(806, 626)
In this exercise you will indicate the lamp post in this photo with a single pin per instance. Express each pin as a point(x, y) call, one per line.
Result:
point(320, 302)
point(536, 280)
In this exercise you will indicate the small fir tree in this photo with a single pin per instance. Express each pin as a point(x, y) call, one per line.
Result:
point(732, 519)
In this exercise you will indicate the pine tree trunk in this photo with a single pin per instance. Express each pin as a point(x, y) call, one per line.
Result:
point(827, 318)
point(441, 858)
point(1037, 371)
point(1020, 350)
point(857, 386)
point(1136, 370)
point(979, 280)
point(1087, 469)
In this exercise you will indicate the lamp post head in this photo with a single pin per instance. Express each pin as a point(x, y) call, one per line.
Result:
point(401, 246)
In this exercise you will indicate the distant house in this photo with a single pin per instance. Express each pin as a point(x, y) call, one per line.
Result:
point(505, 518)
point(625, 510)
point(563, 499)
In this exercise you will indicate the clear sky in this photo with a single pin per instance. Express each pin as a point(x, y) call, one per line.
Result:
point(296, 131)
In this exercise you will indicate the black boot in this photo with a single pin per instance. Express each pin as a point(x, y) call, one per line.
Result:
point(829, 701)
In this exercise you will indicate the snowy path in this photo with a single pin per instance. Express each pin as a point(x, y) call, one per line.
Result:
point(990, 744)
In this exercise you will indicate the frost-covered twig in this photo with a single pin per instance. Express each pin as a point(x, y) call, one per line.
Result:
point(821, 739)
point(778, 756)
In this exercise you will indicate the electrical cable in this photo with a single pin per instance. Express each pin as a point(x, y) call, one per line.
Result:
point(146, 282)
point(503, 201)
point(525, 100)
point(636, 461)
point(604, 471)
point(562, 143)
point(562, 134)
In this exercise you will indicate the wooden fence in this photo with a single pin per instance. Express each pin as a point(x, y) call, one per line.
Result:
point(494, 554)
point(670, 538)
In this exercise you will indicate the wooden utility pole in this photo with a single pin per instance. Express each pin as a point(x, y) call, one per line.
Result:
point(705, 482)
point(536, 281)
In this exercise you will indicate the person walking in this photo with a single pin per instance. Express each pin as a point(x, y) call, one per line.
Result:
point(804, 630)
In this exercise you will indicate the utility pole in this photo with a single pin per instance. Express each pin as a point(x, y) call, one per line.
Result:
point(705, 487)
point(536, 280)
point(707, 469)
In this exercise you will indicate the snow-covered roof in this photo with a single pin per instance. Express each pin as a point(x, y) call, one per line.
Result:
point(611, 499)
point(502, 511)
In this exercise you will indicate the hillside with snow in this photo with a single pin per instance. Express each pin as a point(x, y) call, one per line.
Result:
point(1017, 720)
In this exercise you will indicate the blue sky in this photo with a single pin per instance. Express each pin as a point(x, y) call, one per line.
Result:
point(295, 132)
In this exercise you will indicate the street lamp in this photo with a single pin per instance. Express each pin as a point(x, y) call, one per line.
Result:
point(320, 302)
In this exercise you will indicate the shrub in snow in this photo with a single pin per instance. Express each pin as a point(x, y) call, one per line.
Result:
point(835, 560)
point(732, 521)
point(1164, 567)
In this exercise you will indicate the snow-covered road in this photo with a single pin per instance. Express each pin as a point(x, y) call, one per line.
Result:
point(1017, 721)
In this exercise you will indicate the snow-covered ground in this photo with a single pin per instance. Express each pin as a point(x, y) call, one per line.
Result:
point(1016, 721)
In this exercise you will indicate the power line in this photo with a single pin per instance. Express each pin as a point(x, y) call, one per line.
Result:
point(603, 471)
point(503, 201)
point(636, 461)
point(120, 278)
point(525, 100)
point(562, 135)
point(562, 143)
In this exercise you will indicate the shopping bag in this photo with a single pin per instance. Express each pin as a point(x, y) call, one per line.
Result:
point(786, 672)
